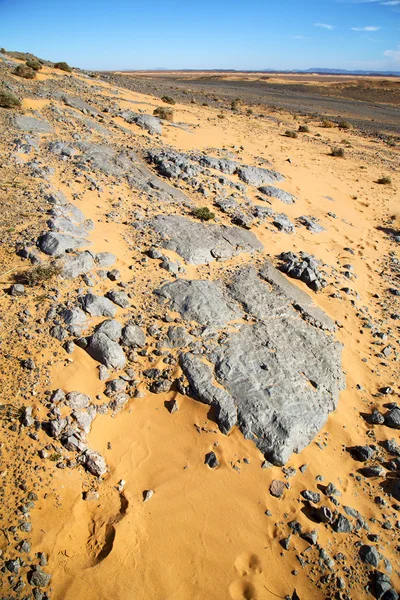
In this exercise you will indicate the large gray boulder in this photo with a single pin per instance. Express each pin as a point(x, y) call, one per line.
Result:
point(106, 351)
point(56, 244)
point(201, 244)
point(282, 372)
point(202, 301)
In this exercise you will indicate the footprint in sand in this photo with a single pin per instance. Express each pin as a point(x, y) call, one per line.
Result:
point(102, 534)
point(242, 590)
point(247, 566)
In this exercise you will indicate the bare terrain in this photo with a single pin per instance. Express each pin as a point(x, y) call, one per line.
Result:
point(199, 329)
point(371, 104)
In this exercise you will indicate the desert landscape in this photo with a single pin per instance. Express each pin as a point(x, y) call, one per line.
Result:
point(199, 329)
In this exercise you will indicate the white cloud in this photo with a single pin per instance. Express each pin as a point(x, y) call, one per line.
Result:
point(323, 25)
point(394, 55)
point(391, 3)
point(369, 28)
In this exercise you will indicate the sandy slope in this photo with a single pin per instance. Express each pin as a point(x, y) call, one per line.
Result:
point(204, 534)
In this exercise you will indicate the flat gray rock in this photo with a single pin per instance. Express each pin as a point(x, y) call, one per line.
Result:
point(66, 225)
point(56, 244)
point(257, 176)
point(81, 105)
point(105, 259)
point(200, 301)
point(201, 244)
point(98, 306)
point(200, 377)
point(149, 123)
point(77, 265)
point(282, 373)
point(297, 297)
point(32, 125)
point(106, 351)
point(273, 192)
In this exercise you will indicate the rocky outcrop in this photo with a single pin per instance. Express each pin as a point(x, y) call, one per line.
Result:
point(281, 375)
point(201, 244)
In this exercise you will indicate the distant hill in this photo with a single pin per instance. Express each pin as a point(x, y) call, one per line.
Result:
point(322, 71)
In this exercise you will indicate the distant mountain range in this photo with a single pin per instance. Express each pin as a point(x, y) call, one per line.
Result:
point(317, 70)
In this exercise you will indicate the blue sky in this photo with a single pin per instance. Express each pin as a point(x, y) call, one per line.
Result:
point(255, 34)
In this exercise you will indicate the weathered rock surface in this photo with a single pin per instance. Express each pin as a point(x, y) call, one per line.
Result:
point(200, 244)
point(273, 192)
point(257, 176)
point(77, 265)
point(282, 374)
point(106, 351)
point(201, 301)
point(56, 244)
point(32, 125)
point(98, 306)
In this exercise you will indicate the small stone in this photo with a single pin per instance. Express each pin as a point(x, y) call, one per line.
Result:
point(211, 460)
point(277, 488)
point(147, 494)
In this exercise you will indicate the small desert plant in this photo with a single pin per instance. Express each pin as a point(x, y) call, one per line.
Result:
point(339, 152)
point(328, 124)
point(384, 180)
point(63, 66)
point(8, 100)
point(24, 71)
point(236, 104)
point(204, 213)
point(290, 133)
point(221, 116)
point(40, 274)
point(3, 51)
point(249, 111)
point(34, 64)
point(164, 113)
point(344, 125)
point(168, 100)
point(304, 129)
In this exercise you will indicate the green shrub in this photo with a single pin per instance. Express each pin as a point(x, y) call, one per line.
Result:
point(34, 64)
point(168, 100)
point(339, 152)
point(63, 66)
point(204, 213)
point(164, 113)
point(24, 71)
point(249, 111)
point(384, 180)
point(304, 129)
point(8, 100)
point(344, 125)
point(327, 124)
point(291, 134)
